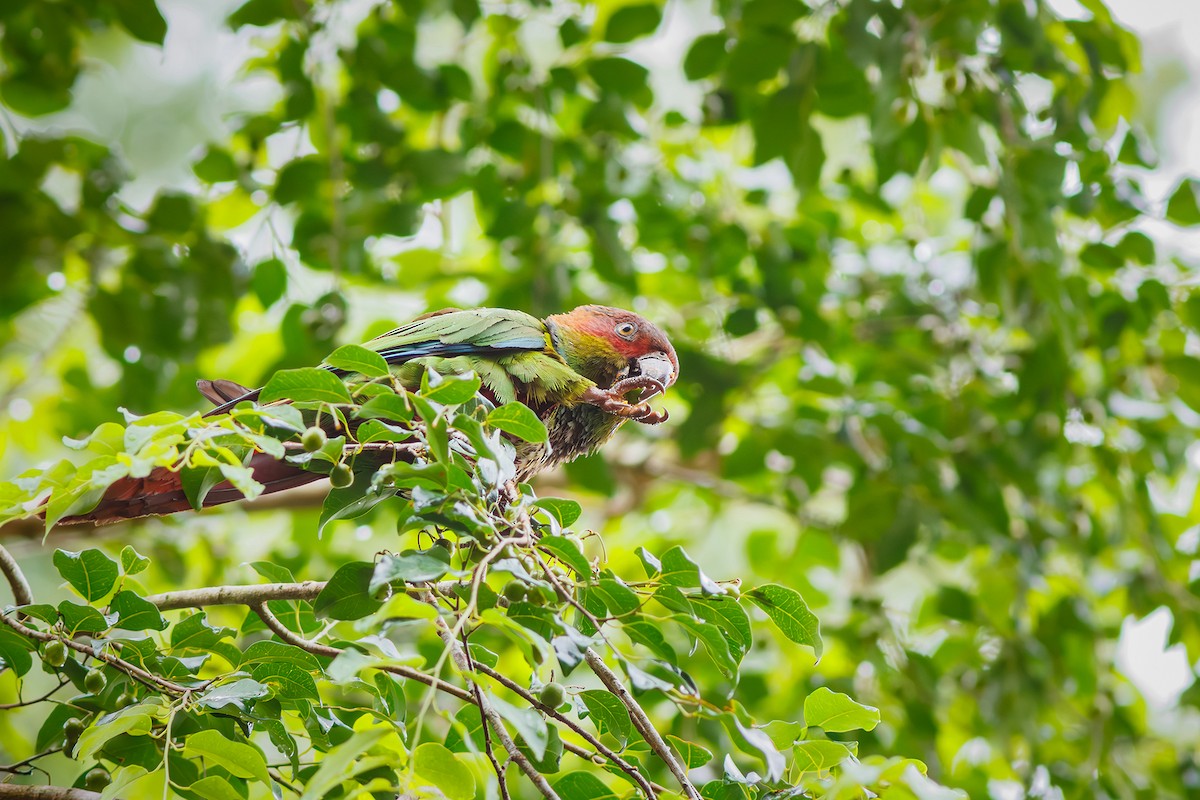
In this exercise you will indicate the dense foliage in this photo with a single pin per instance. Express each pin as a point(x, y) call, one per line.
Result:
point(937, 379)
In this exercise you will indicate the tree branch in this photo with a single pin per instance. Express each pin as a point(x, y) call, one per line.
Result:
point(641, 721)
point(133, 671)
point(458, 653)
point(318, 649)
point(514, 687)
point(46, 792)
point(236, 595)
point(22, 594)
point(23, 703)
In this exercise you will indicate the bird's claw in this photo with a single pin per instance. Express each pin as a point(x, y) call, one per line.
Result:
point(612, 400)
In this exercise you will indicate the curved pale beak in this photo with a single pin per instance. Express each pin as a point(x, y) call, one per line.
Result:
point(658, 368)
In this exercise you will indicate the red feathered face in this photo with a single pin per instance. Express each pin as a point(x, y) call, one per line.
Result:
point(639, 342)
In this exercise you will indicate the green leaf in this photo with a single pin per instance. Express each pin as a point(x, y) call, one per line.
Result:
point(450, 390)
point(565, 511)
point(268, 651)
point(706, 55)
point(142, 18)
point(728, 614)
point(287, 681)
point(305, 384)
point(442, 768)
point(567, 552)
point(386, 406)
point(788, 611)
point(528, 722)
point(15, 651)
point(357, 359)
point(678, 569)
point(347, 595)
point(133, 562)
point(1182, 208)
point(608, 713)
point(631, 22)
point(135, 613)
point(91, 572)
point(835, 712)
point(819, 755)
point(214, 787)
point(620, 76)
point(582, 785)
point(619, 599)
point(410, 566)
point(649, 635)
point(692, 754)
point(238, 694)
point(134, 719)
point(714, 641)
point(519, 420)
point(194, 633)
point(241, 760)
point(218, 166)
point(81, 619)
point(341, 763)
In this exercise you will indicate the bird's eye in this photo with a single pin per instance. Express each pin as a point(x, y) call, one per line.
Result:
point(626, 330)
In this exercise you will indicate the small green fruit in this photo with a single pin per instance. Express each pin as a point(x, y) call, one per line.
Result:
point(94, 681)
point(552, 695)
point(515, 591)
point(445, 544)
point(55, 653)
point(341, 477)
point(72, 730)
point(126, 698)
point(313, 440)
point(97, 779)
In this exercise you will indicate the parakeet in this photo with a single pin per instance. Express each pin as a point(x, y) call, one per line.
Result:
point(573, 370)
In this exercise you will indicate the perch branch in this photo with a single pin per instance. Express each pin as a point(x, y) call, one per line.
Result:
point(641, 721)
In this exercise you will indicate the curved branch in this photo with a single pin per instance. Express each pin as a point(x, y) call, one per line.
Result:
point(133, 671)
point(641, 721)
point(22, 594)
point(318, 649)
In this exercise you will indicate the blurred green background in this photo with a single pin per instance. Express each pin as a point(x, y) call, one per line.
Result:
point(920, 260)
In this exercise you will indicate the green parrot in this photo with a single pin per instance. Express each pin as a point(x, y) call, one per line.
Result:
point(573, 370)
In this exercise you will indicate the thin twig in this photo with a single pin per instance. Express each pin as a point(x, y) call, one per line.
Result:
point(23, 703)
point(458, 654)
point(514, 687)
point(19, 768)
point(487, 736)
point(641, 721)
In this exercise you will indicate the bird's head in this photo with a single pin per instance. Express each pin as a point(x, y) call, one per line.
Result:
point(608, 344)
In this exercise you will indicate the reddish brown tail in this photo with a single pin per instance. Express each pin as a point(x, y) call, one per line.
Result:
point(161, 492)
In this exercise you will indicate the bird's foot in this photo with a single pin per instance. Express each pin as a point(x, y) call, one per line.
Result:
point(612, 400)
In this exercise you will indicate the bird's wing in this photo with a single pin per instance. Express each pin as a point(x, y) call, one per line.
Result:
point(480, 331)
point(510, 351)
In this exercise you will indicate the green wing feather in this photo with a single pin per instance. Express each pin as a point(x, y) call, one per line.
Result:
point(510, 351)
